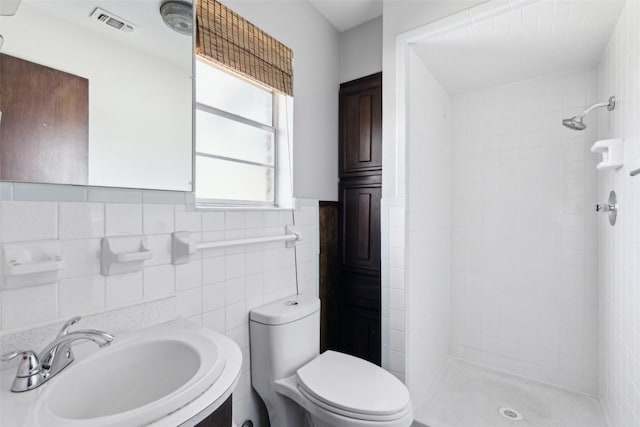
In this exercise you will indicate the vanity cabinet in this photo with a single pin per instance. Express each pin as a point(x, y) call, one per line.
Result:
point(44, 126)
point(221, 417)
point(359, 299)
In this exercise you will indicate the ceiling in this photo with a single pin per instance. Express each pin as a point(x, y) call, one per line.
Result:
point(543, 38)
point(347, 14)
point(151, 35)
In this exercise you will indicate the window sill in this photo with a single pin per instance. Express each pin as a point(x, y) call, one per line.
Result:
point(209, 208)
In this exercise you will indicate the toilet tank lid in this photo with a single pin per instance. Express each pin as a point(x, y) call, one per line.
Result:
point(285, 310)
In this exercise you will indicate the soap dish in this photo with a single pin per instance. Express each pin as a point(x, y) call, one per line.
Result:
point(611, 151)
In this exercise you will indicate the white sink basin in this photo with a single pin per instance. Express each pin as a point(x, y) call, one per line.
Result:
point(134, 381)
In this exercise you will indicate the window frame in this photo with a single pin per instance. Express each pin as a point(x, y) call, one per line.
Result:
point(208, 109)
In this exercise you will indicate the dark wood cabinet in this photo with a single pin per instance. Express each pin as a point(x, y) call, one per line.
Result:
point(361, 224)
point(359, 299)
point(221, 417)
point(44, 128)
point(362, 331)
point(361, 126)
point(329, 268)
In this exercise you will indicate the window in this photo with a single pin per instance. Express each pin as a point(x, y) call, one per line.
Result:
point(235, 139)
point(243, 144)
point(236, 129)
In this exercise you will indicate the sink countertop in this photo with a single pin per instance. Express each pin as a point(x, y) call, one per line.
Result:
point(15, 407)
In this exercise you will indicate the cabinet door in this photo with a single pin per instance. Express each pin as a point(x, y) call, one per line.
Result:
point(361, 333)
point(44, 129)
point(361, 225)
point(361, 126)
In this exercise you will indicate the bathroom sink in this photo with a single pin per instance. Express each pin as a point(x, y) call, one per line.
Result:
point(134, 381)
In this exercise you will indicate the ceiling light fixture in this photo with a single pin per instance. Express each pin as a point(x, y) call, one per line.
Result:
point(178, 15)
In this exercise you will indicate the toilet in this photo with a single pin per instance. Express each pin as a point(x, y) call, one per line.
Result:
point(301, 387)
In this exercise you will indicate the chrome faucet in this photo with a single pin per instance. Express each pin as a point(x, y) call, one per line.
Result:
point(33, 371)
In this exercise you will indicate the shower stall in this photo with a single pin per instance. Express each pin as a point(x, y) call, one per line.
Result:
point(494, 300)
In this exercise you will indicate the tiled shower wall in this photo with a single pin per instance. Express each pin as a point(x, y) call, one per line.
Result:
point(428, 237)
point(524, 295)
point(620, 245)
point(216, 288)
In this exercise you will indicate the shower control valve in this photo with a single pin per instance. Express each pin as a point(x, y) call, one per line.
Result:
point(605, 207)
point(611, 207)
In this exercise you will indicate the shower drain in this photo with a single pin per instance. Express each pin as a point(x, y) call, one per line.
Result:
point(510, 414)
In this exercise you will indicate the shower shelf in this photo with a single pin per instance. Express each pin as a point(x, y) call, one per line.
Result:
point(611, 151)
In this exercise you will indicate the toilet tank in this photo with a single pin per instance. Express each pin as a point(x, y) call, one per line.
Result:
point(285, 335)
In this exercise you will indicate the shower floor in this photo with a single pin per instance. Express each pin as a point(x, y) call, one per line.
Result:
point(466, 395)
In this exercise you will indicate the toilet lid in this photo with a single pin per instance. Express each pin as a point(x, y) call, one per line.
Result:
point(353, 384)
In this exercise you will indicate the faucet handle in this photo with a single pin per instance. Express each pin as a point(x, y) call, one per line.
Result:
point(29, 365)
point(69, 323)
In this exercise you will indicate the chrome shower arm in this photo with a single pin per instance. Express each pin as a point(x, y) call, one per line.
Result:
point(611, 104)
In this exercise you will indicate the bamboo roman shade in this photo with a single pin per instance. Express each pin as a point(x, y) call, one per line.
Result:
point(228, 39)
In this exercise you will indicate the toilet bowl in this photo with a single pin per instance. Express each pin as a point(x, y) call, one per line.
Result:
point(301, 387)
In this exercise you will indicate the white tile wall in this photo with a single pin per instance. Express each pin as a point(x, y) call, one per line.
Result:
point(393, 269)
point(428, 227)
point(217, 288)
point(620, 245)
point(524, 250)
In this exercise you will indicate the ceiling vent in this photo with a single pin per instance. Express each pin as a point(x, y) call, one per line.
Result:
point(111, 20)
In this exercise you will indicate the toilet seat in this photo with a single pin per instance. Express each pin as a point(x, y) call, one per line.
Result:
point(353, 387)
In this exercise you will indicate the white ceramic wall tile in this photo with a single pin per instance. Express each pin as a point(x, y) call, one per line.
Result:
point(235, 290)
point(214, 296)
point(215, 320)
point(29, 306)
point(124, 289)
point(213, 270)
point(22, 221)
point(160, 246)
point(123, 219)
point(189, 302)
point(236, 315)
point(619, 273)
point(234, 220)
point(212, 221)
point(519, 272)
point(81, 295)
point(158, 219)
point(187, 220)
point(82, 257)
point(189, 275)
point(159, 281)
point(81, 220)
point(235, 266)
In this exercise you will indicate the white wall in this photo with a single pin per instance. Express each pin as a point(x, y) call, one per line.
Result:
point(217, 288)
point(428, 228)
point(619, 263)
point(139, 104)
point(524, 252)
point(400, 16)
point(361, 50)
point(315, 85)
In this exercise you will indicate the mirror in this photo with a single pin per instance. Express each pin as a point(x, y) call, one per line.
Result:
point(135, 121)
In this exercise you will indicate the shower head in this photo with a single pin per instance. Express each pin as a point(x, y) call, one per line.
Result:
point(577, 122)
